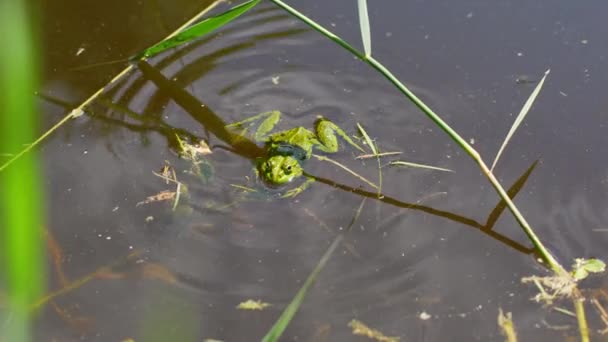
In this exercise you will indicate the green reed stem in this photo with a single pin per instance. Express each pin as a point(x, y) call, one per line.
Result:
point(547, 257)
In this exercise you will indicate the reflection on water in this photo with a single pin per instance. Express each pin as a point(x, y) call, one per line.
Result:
point(151, 273)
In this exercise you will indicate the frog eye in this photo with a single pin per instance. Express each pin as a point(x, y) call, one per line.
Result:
point(288, 169)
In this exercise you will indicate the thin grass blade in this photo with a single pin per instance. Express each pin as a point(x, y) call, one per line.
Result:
point(420, 166)
point(520, 117)
point(327, 159)
point(365, 27)
point(198, 30)
point(368, 140)
point(281, 324)
point(375, 151)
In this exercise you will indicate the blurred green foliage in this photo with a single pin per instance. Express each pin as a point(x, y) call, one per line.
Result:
point(21, 195)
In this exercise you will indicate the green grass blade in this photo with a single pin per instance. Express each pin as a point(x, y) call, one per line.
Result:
point(420, 166)
point(368, 140)
point(375, 151)
point(21, 248)
point(520, 117)
point(365, 28)
point(281, 324)
point(198, 30)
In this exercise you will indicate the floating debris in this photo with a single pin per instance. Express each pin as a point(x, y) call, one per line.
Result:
point(192, 151)
point(251, 304)
point(552, 287)
point(359, 328)
point(165, 195)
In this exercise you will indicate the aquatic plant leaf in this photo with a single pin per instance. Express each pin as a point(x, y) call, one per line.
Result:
point(281, 324)
point(251, 304)
point(583, 267)
point(359, 328)
point(422, 166)
point(198, 30)
point(365, 28)
point(520, 117)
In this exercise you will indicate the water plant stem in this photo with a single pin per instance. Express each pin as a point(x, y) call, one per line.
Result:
point(579, 307)
point(544, 253)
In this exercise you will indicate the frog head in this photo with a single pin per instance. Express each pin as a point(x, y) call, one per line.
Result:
point(280, 169)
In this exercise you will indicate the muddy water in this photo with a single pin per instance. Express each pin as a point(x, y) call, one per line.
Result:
point(424, 251)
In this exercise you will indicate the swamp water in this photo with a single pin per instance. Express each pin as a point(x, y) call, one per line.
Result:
point(419, 264)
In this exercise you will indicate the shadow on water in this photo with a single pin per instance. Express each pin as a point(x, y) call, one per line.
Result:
point(248, 149)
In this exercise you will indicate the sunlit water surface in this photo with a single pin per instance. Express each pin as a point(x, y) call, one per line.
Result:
point(414, 265)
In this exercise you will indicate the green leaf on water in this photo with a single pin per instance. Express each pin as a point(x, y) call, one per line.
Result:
point(520, 117)
point(198, 30)
point(365, 28)
point(582, 268)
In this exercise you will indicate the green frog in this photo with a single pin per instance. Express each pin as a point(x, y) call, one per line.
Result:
point(286, 150)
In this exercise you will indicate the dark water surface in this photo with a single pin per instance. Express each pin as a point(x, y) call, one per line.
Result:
point(420, 252)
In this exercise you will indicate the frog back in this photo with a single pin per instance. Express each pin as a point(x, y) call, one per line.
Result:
point(299, 136)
